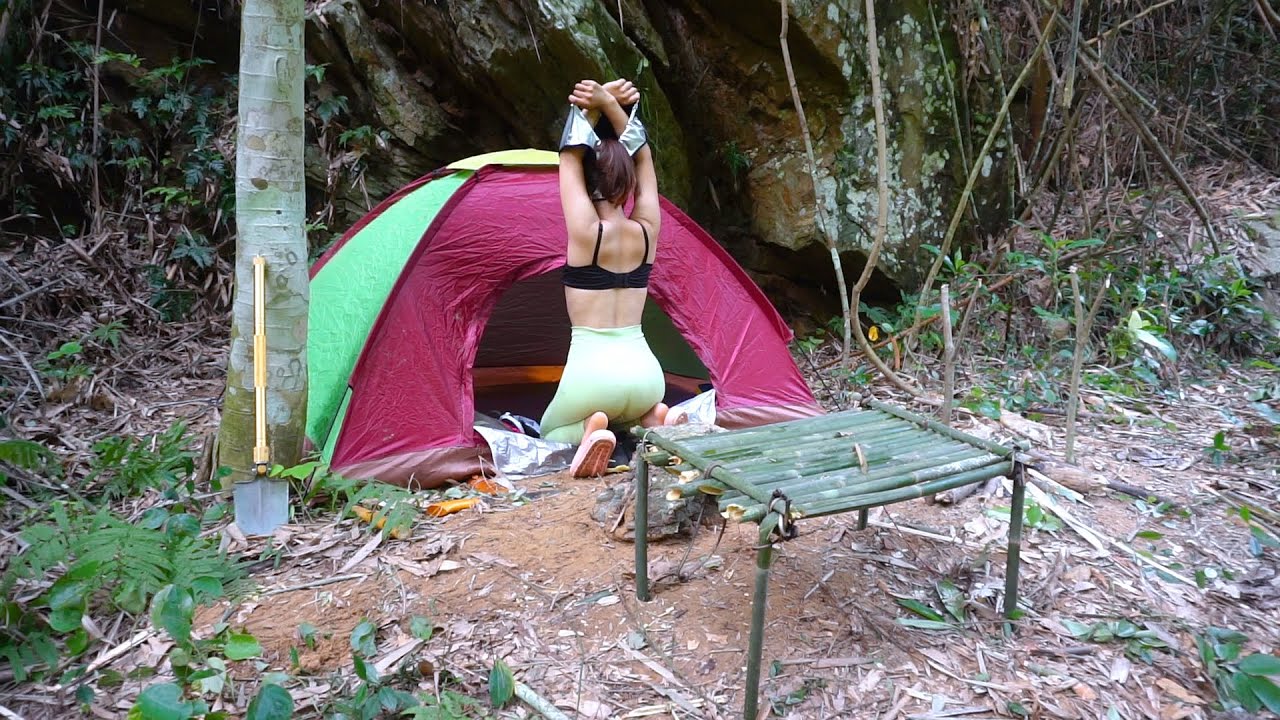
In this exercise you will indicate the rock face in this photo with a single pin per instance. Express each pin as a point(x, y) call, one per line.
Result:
point(440, 80)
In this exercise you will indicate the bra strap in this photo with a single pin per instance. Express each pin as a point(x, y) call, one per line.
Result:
point(645, 258)
point(595, 256)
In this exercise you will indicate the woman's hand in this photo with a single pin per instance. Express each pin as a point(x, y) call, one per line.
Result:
point(591, 95)
point(623, 91)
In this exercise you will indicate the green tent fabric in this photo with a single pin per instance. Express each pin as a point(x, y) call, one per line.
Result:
point(349, 290)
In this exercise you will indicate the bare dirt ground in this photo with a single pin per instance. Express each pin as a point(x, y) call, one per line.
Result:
point(542, 585)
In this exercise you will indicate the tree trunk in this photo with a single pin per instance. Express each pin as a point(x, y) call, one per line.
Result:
point(270, 211)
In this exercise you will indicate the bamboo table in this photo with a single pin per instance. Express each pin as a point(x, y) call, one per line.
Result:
point(853, 460)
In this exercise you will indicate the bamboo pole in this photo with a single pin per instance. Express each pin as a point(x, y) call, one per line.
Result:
point(1015, 543)
point(540, 704)
point(846, 420)
point(757, 454)
point(888, 497)
point(943, 429)
point(923, 458)
point(642, 531)
point(719, 473)
point(899, 481)
point(840, 477)
point(816, 458)
point(948, 357)
point(759, 604)
point(727, 453)
point(1084, 325)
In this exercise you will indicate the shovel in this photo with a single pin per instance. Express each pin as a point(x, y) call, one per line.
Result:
point(262, 503)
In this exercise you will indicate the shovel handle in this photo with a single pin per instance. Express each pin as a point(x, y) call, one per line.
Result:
point(261, 452)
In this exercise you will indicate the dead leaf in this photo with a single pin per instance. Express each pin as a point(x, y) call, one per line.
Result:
point(1084, 692)
point(1178, 692)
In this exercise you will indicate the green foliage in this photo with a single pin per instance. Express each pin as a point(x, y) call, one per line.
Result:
point(28, 455)
point(502, 684)
point(397, 506)
point(450, 705)
point(155, 144)
point(64, 363)
point(1249, 682)
point(952, 615)
point(126, 466)
point(107, 560)
point(373, 696)
point(1139, 643)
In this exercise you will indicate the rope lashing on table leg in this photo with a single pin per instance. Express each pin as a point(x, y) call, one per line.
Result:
point(786, 528)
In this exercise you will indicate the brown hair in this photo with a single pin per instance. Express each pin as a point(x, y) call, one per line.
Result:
point(610, 172)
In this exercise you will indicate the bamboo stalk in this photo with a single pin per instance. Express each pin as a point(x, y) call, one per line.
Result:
point(856, 434)
point(1084, 324)
point(889, 497)
point(948, 357)
point(642, 531)
point(769, 461)
point(755, 645)
point(828, 469)
point(848, 419)
point(943, 429)
point(754, 454)
point(925, 458)
point(893, 482)
point(719, 473)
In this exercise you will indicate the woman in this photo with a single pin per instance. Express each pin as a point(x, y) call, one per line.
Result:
point(611, 377)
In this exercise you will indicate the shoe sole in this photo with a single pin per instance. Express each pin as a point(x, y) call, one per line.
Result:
point(596, 459)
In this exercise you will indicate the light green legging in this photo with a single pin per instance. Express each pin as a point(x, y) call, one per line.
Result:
point(609, 370)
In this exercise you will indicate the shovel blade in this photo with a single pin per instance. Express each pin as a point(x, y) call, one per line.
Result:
point(261, 505)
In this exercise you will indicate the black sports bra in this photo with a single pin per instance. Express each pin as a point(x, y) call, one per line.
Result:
point(594, 277)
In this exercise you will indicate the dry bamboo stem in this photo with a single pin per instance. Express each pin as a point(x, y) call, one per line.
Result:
point(977, 165)
point(1084, 324)
point(821, 216)
point(882, 208)
point(948, 357)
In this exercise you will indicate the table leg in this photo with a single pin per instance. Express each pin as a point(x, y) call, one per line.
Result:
point(862, 519)
point(764, 558)
point(1015, 542)
point(642, 527)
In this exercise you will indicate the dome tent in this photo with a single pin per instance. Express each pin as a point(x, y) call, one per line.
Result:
point(446, 298)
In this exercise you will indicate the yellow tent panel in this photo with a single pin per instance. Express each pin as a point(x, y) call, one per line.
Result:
point(527, 156)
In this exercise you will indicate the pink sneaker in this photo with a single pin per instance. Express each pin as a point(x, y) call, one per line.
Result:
point(592, 458)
